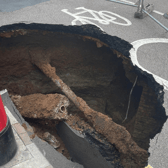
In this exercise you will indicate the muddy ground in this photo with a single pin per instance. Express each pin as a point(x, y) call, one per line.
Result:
point(100, 75)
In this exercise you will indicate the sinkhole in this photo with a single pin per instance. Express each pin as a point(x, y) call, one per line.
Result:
point(124, 104)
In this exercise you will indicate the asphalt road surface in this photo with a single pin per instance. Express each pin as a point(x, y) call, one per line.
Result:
point(150, 41)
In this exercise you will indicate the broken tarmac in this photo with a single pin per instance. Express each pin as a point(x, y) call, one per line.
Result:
point(156, 159)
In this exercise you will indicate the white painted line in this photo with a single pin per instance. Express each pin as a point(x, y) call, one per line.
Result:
point(128, 2)
point(160, 13)
point(133, 56)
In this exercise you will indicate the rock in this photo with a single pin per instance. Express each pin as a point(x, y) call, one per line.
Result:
point(51, 140)
point(50, 106)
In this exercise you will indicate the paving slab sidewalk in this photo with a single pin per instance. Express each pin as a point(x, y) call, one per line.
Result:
point(28, 154)
point(32, 153)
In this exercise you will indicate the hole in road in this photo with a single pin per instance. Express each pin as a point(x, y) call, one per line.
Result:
point(95, 72)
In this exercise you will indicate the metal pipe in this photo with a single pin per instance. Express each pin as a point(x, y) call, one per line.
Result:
point(155, 20)
point(140, 6)
point(141, 3)
point(123, 3)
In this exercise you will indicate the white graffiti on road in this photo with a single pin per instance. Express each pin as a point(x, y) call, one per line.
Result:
point(102, 17)
point(133, 56)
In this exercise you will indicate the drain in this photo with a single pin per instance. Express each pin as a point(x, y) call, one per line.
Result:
point(97, 69)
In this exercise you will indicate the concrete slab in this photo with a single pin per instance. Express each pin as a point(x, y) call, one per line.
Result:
point(39, 158)
point(25, 138)
point(56, 159)
point(28, 155)
point(31, 153)
point(19, 129)
point(22, 154)
point(77, 145)
point(49, 167)
point(12, 118)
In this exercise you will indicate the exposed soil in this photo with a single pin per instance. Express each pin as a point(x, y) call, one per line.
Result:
point(99, 76)
point(115, 134)
point(50, 106)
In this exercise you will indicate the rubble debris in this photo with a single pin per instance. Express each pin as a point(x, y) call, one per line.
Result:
point(51, 140)
point(131, 153)
point(42, 127)
point(50, 106)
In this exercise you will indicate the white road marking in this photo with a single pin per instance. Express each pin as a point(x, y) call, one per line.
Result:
point(102, 17)
point(128, 2)
point(160, 13)
point(133, 55)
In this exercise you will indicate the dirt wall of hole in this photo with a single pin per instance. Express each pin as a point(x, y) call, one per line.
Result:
point(93, 73)
point(150, 115)
point(98, 74)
